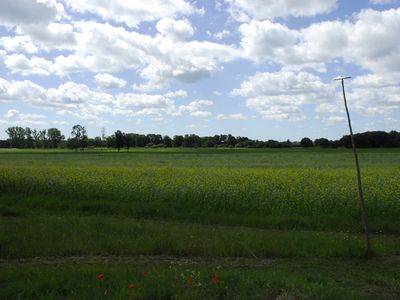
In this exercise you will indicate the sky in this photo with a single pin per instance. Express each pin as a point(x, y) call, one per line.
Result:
point(257, 68)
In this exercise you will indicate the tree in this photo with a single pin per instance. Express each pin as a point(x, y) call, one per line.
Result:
point(177, 141)
point(191, 140)
point(306, 142)
point(39, 138)
point(167, 141)
point(79, 137)
point(29, 141)
point(141, 140)
point(322, 142)
point(17, 136)
point(98, 142)
point(231, 140)
point(129, 140)
point(110, 141)
point(119, 139)
point(55, 137)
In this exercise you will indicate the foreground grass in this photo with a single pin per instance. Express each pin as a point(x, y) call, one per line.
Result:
point(186, 279)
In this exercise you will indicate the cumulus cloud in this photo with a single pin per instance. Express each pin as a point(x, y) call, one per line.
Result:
point(52, 36)
point(369, 41)
point(20, 91)
point(281, 95)
point(177, 30)
point(381, 2)
point(220, 35)
point(15, 117)
point(176, 94)
point(107, 81)
point(22, 12)
point(194, 108)
point(284, 95)
point(3, 55)
point(18, 44)
point(20, 64)
point(79, 101)
point(376, 94)
point(133, 12)
point(244, 10)
point(235, 117)
point(103, 48)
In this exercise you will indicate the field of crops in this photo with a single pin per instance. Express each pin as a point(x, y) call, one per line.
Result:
point(263, 207)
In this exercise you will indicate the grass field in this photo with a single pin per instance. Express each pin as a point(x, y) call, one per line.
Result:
point(272, 224)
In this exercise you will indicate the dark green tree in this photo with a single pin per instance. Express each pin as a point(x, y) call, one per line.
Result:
point(29, 141)
point(322, 142)
point(167, 141)
point(55, 137)
point(16, 135)
point(177, 141)
point(306, 142)
point(119, 139)
point(79, 137)
point(129, 140)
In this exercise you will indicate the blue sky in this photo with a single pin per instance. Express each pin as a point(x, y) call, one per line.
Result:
point(255, 68)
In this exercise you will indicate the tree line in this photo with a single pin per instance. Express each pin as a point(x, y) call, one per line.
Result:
point(19, 137)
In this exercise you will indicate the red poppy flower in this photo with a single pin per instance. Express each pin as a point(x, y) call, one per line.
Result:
point(216, 275)
point(132, 286)
point(145, 274)
point(100, 276)
point(105, 293)
point(189, 280)
point(215, 280)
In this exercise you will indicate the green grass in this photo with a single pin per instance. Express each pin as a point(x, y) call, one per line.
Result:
point(111, 236)
point(249, 279)
point(252, 204)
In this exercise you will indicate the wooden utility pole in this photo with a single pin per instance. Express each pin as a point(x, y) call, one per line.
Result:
point(360, 191)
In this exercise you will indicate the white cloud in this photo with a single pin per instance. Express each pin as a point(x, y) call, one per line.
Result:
point(196, 126)
point(235, 117)
point(59, 36)
point(221, 34)
point(15, 117)
point(176, 94)
point(381, 2)
point(175, 30)
point(284, 95)
point(194, 108)
point(20, 64)
point(18, 44)
point(133, 12)
point(107, 81)
point(20, 91)
point(78, 101)
point(332, 119)
point(369, 41)
point(200, 114)
point(3, 55)
point(103, 48)
point(22, 12)
point(11, 113)
point(373, 40)
point(74, 94)
point(244, 10)
point(375, 94)
point(281, 95)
